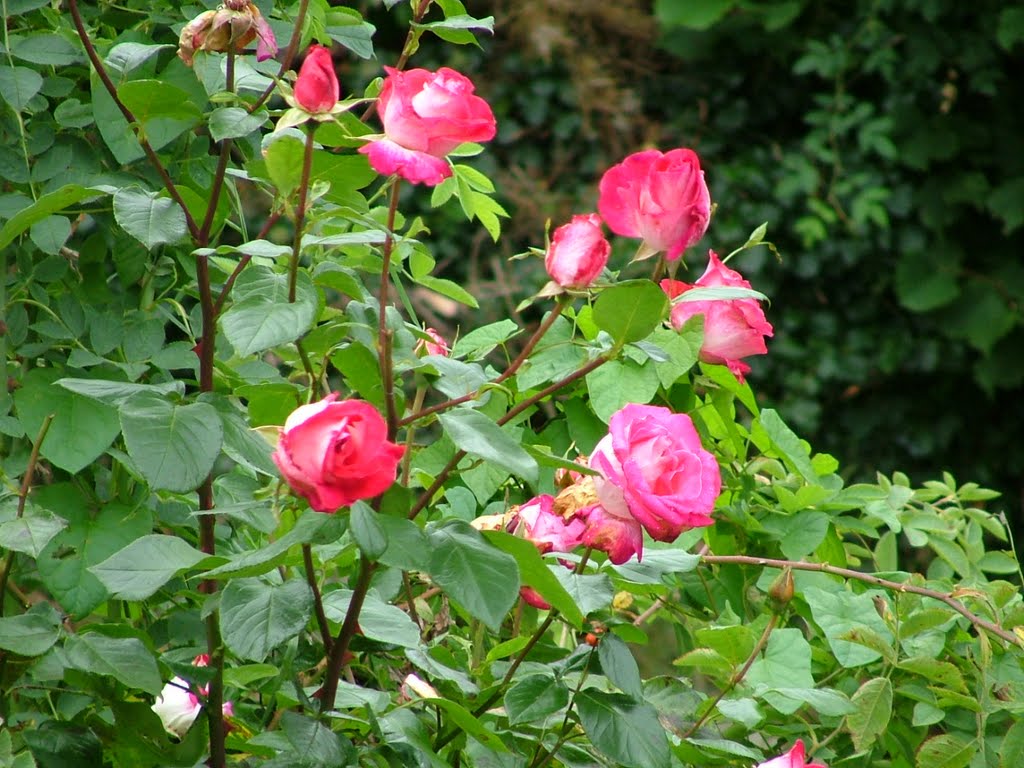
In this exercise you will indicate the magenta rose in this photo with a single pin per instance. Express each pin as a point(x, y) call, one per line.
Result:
point(317, 89)
point(792, 759)
point(436, 346)
point(654, 468)
point(578, 252)
point(733, 328)
point(660, 198)
point(334, 453)
point(426, 115)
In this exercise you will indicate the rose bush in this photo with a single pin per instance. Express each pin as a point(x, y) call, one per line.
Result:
point(733, 328)
point(661, 198)
point(426, 115)
point(333, 453)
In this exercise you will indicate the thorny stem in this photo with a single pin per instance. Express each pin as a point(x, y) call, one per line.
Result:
point(289, 56)
point(387, 373)
point(336, 658)
point(151, 155)
point(243, 262)
point(222, 163)
point(318, 603)
point(300, 214)
point(516, 364)
point(442, 476)
point(846, 573)
point(26, 484)
point(736, 678)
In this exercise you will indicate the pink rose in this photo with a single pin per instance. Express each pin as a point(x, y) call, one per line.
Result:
point(733, 328)
point(335, 453)
point(177, 707)
point(436, 346)
point(619, 537)
point(655, 469)
point(578, 252)
point(426, 115)
point(792, 759)
point(549, 531)
point(660, 198)
point(317, 89)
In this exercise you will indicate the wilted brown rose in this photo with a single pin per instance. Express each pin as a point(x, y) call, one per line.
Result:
point(233, 26)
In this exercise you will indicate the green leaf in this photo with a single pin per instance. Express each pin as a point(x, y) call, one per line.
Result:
point(873, 709)
point(786, 663)
point(125, 57)
point(30, 533)
point(347, 27)
point(124, 658)
point(314, 744)
point(30, 634)
point(619, 382)
point(589, 591)
point(947, 751)
point(408, 548)
point(256, 617)
point(692, 14)
point(47, 49)
point(533, 698)
point(18, 85)
point(81, 429)
point(481, 578)
point(478, 343)
point(619, 666)
point(173, 446)
point(840, 612)
point(681, 348)
point(793, 450)
point(149, 218)
point(262, 317)
point(116, 392)
point(368, 533)
point(50, 234)
point(630, 310)
point(312, 527)
point(234, 122)
point(718, 293)
point(1011, 751)
point(624, 730)
point(477, 435)
point(448, 288)
point(534, 571)
point(145, 565)
point(91, 537)
point(378, 620)
point(57, 200)
point(151, 100)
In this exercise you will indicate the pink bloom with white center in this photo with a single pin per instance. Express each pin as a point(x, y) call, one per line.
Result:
point(733, 328)
point(177, 706)
point(426, 115)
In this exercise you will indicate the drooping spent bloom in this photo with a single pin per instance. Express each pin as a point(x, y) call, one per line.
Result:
point(232, 27)
point(316, 88)
point(426, 115)
point(660, 198)
point(792, 759)
point(733, 328)
point(655, 469)
point(578, 252)
point(548, 530)
point(177, 706)
point(333, 453)
point(436, 346)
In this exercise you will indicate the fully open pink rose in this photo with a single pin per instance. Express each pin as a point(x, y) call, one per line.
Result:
point(660, 198)
point(426, 115)
point(733, 328)
point(578, 252)
point(792, 759)
point(317, 89)
point(335, 453)
point(655, 469)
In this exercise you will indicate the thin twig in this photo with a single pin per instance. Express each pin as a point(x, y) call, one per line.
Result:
point(336, 658)
point(154, 160)
point(895, 586)
point(271, 220)
point(318, 603)
point(387, 373)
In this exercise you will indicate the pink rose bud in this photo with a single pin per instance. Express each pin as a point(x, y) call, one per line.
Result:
point(654, 468)
point(578, 252)
point(335, 453)
point(426, 115)
point(532, 597)
point(317, 89)
point(619, 537)
point(733, 328)
point(549, 531)
point(437, 345)
point(660, 198)
point(792, 759)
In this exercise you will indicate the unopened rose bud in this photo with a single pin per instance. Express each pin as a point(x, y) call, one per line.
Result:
point(436, 346)
point(781, 591)
point(317, 89)
point(578, 252)
point(416, 685)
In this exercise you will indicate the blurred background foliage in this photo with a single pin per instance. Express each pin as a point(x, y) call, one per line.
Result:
point(882, 141)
